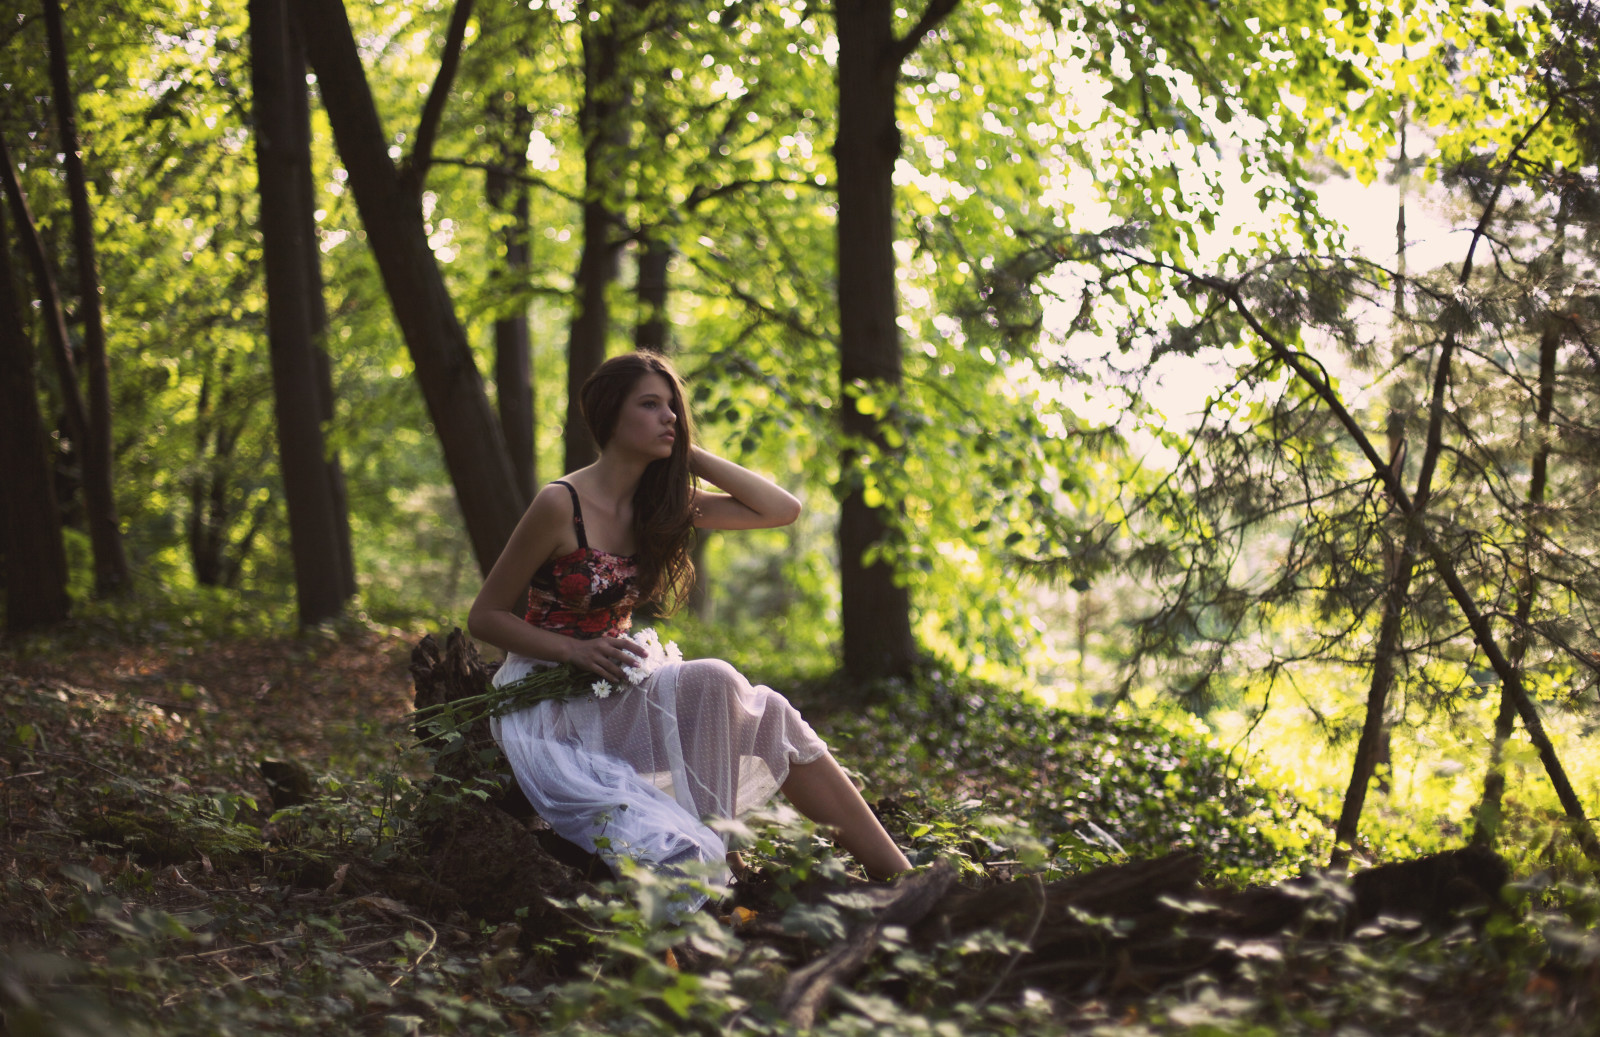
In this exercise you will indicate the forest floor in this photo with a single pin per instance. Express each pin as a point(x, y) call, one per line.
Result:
point(1096, 877)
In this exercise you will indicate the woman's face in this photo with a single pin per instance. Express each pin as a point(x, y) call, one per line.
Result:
point(647, 424)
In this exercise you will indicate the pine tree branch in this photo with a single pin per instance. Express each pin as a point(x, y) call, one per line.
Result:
point(1443, 564)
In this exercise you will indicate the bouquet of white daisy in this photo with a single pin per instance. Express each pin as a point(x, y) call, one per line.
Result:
point(553, 682)
point(656, 656)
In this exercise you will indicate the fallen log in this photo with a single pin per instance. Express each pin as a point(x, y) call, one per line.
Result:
point(1129, 929)
point(808, 987)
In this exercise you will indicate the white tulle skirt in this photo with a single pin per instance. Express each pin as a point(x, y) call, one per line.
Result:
point(638, 774)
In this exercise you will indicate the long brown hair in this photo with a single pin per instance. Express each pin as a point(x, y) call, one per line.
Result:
point(663, 504)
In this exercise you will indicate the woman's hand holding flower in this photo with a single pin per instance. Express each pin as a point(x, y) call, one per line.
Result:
point(607, 656)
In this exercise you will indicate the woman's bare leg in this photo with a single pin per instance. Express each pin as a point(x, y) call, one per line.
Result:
point(823, 792)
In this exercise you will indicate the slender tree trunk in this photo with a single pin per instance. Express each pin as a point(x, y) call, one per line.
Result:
point(1487, 818)
point(650, 332)
point(513, 347)
point(597, 264)
point(1443, 564)
point(469, 432)
point(1403, 182)
point(1416, 536)
point(1371, 745)
point(282, 156)
point(300, 107)
point(876, 611)
point(206, 513)
point(105, 534)
point(30, 521)
point(220, 419)
point(75, 412)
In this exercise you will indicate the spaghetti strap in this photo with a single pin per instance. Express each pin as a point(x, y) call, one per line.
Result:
point(577, 513)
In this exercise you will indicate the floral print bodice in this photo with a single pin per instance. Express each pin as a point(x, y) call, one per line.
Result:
point(585, 594)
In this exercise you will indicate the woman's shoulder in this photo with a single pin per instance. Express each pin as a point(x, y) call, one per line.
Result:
point(547, 522)
point(553, 500)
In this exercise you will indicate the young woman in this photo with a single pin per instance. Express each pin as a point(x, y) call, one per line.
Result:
point(643, 769)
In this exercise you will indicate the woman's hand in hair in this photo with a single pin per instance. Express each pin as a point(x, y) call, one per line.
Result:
point(749, 501)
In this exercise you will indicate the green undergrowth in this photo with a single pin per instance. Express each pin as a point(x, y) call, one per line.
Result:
point(150, 888)
point(1079, 783)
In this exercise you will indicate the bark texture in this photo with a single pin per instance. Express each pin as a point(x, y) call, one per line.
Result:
point(30, 522)
point(875, 610)
point(513, 346)
point(316, 306)
point(598, 118)
point(283, 159)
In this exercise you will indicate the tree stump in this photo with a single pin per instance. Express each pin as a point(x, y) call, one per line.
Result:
point(495, 854)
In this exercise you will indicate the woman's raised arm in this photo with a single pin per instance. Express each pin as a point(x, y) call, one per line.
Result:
point(748, 500)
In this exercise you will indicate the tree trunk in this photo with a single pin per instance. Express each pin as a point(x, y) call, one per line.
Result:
point(1487, 818)
point(1374, 729)
point(875, 610)
point(30, 522)
point(1372, 749)
point(105, 535)
point(513, 349)
point(208, 514)
point(650, 331)
point(597, 265)
point(282, 156)
point(300, 109)
point(469, 433)
point(1443, 564)
point(75, 413)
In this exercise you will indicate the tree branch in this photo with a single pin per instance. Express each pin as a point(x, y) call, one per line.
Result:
point(22, 22)
point(415, 171)
point(522, 178)
point(932, 15)
point(702, 194)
